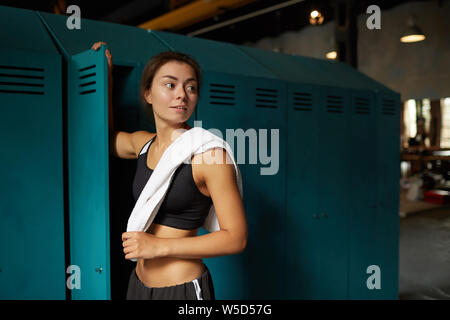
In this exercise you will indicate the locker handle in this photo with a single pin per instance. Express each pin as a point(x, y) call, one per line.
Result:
point(99, 270)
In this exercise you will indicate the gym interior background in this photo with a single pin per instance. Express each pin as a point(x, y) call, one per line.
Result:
point(361, 99)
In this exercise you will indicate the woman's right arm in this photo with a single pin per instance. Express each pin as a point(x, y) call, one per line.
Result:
point(122, 144)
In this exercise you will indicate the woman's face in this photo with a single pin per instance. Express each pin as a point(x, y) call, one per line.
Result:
point(174, 85)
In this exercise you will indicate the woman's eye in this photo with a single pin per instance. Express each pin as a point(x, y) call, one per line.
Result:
point(169, 85)
point(192, 88)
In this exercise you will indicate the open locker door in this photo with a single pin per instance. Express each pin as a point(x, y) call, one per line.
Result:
point(89, 175)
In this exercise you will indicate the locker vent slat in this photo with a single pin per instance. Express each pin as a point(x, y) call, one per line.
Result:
point(302, 101)
point(88, 91)
point(266, 98)
point(222, 94)
point(86, 68)
point(22, 80)
point(88, 75)
point(21, 68)
point(388, 107)
point(86, 79)
point(362, 105)
point(334, 104)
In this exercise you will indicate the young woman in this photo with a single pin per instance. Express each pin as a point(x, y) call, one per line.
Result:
point(170, 253)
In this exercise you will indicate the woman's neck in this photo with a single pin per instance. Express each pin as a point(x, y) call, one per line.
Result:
point(166, 134)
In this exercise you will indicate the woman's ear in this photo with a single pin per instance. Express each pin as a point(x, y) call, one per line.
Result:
point(148, 96)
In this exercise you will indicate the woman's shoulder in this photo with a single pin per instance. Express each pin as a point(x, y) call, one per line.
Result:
point(141, 138)
point(212, 161)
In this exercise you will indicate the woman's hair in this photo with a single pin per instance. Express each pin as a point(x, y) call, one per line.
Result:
point(157, 62)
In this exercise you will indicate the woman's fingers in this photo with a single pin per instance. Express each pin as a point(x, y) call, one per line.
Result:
point(108, 54)
point(129, 242)
point(97, 45)
point(108, 57)
point(128, 249)
point(127, 235)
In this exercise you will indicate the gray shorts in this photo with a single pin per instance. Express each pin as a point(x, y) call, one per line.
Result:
point(198, 289)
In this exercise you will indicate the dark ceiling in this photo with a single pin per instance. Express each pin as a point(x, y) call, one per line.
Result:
point(289, 18)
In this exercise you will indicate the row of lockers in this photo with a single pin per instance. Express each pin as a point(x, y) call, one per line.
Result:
point(315, 227)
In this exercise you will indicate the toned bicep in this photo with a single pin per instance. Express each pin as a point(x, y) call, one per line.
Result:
point(220, 180)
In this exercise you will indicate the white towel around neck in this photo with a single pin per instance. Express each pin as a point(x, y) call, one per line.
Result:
point(193, 141)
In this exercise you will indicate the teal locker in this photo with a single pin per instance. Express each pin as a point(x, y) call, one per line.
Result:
point(128, 44)
point(336, 74)
point(32, 259)
point(231, 103)
point(32, 208)
point(362, 239)
point(264, 108)
point(302, 257)
point(88, 173)
point(214, 56)
point(386, 221)
point(220, 109)
point(131, 48)
point(334, 165)
point(343, 192)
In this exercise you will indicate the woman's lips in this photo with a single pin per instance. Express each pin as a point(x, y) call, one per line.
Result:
point(179, 109)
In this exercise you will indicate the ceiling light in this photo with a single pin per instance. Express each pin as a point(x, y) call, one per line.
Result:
point(331, 52)
point(315, 17)
point(413, 33)
point(332, 55)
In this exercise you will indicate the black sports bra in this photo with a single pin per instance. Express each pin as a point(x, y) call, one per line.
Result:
point(184, 206)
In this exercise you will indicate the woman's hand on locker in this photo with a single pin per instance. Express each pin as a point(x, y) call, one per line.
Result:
point(108, 54)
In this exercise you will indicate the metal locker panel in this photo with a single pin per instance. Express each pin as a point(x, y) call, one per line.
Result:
point(387, 218)
point(302, 189)
point(89, 173)
point(333, 187)
point(294, 68)
point(219, 108)
point(264, 112)
point(362, 193)
point(214, 55)
point(219, 105)
point(128, 44)
point(343, 75)
point(241, 103)
point(22, 29)
point(289, 67)
point(31, 169)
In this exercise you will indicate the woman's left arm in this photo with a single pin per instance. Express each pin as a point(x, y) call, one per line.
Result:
point(217, 172)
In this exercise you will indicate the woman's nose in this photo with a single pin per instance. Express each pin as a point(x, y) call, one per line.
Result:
point(181, 93)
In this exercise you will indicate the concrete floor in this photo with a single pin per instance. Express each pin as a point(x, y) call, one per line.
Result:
point(425, 254)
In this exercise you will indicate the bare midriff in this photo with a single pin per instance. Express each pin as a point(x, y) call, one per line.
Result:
point(169, 271)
